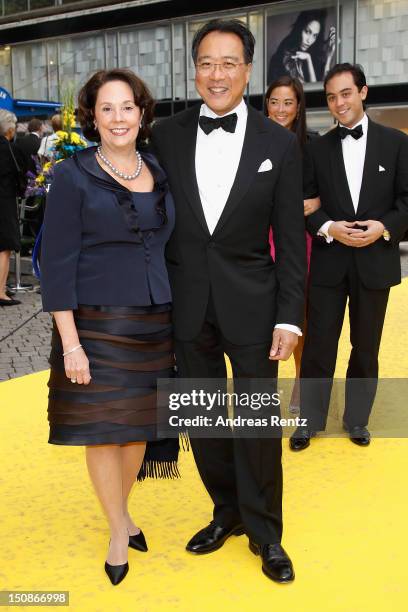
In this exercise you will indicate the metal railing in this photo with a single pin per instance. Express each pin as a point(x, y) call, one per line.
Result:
point(22, 208)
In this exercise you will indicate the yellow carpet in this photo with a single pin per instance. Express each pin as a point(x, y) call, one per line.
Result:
point(345, 519)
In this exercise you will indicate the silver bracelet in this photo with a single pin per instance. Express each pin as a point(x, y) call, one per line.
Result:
point(72, 350)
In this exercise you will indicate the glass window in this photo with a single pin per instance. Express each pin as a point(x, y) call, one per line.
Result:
point(382, 42)
point(30, 71)
point(256, 25)
point(111, 41)
point(15, 6)
point(36, 4)
point(179, 66)
point(346, 46)
point(53, 73)
point(5, 68)
point(79, 58)
point(147, 52)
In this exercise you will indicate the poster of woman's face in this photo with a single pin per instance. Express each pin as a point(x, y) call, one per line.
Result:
point(302, 44)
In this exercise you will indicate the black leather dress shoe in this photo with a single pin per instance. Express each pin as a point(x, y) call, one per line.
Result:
point(275, 562)
point(359, 435)
point(300, 439)
point(138, 542)
point(116, 573)
point(212, 537)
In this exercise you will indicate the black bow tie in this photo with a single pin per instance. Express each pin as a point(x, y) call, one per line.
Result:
point(227, 123)
point(356, 132)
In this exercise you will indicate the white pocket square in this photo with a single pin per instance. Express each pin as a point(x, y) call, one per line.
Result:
point(265, 166)
point(381, 169)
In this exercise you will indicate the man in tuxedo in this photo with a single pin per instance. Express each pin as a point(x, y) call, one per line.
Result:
point(360, 171)
point(30, 143)
point(234, 173)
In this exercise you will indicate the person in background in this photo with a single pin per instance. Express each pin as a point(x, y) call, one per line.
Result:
point(360, 171)
point(303, 53)
point(46, 150)
point(30, 143)
point(285, 104)
point(11, 163)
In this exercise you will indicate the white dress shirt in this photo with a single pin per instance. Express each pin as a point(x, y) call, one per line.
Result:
point(216, 163)
point(354, 156)
point(47, 145)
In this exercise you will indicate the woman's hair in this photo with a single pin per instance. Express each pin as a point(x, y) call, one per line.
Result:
point(56, 122)
point(229, 26)
point(7, 120)
point(293, 39)
point(89, 92)
point(299, 124)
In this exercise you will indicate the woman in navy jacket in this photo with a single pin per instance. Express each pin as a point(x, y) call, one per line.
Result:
point(109, 215)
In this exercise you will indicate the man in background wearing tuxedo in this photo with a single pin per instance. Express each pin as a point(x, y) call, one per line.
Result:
point(234, 173)
point(30, 143)
point(360, 171)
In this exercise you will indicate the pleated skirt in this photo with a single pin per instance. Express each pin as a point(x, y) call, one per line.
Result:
point(129, 349)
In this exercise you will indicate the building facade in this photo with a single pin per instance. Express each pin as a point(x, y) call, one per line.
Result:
point(45, 44)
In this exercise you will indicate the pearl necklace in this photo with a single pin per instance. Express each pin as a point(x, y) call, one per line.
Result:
point(122, 175)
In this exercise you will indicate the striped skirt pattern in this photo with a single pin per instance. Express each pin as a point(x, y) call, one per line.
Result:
point(128, 348)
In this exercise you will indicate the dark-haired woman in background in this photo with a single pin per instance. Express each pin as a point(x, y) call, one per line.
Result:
point(285, 104)
point(304, 53)
point(109, 215)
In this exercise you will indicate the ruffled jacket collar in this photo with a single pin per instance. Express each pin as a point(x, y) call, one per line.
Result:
point(87, 164)
point(86, 161)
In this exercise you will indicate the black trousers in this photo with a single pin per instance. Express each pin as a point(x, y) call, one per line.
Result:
point(243, 476)
point(325, 315)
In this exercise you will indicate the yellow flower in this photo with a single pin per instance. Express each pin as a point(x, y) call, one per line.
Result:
point(75, 139)
point(61, 134)
point(40, 179)
point(47, 166)
point(59, 161)
point(68, 117)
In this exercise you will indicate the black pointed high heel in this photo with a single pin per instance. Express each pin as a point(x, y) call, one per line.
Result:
point(116, 573)
point(138, 542)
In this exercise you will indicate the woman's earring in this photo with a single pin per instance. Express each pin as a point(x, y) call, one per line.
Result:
point(141, 120)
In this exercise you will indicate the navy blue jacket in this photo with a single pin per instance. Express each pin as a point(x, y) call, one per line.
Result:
point(102, 245)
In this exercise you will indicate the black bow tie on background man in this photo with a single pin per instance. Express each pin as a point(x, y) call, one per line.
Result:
point(356, 132)
point(227, 123)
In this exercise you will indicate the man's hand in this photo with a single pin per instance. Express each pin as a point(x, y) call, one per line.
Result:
point(283, 344)
point(342, 231)
point(373, 232)
point(311, 205)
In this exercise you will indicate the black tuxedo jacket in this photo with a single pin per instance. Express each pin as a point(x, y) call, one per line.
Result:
point(29, 145)
point(383, 196)
point(249, 291)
